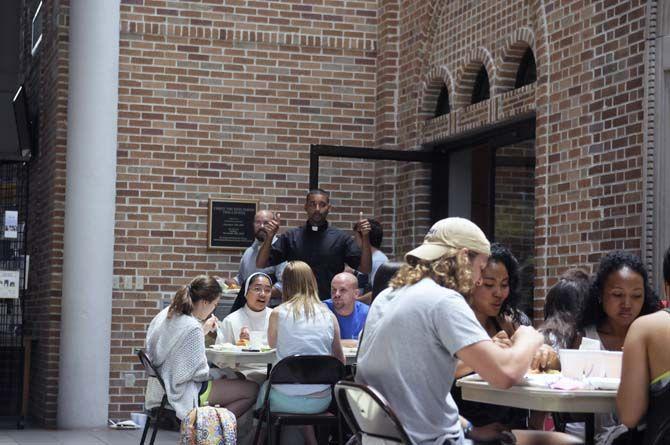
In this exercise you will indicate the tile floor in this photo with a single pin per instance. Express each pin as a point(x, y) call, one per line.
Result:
point(82, 437)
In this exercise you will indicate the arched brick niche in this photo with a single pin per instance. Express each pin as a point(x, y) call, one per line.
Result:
point(435, 81)
point(511, 56)
point(467, 75)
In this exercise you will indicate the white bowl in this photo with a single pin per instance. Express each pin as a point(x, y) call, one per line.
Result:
point(577, 364)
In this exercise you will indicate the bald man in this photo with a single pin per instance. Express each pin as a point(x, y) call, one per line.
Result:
point(350, 312)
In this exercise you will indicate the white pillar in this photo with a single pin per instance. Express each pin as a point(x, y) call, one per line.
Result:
point(83, 391)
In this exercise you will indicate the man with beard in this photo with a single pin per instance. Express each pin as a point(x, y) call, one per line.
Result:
point(248, 262)
point(325, 248)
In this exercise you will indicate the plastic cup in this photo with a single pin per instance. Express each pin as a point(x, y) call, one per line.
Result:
point(139, 418)
point(256, 339)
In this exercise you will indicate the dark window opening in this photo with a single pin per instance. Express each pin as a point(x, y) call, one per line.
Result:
point(527, 73)
point(443, 107)
point(480, 91)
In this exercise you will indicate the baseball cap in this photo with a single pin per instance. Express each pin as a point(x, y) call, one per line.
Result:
point(449, 234)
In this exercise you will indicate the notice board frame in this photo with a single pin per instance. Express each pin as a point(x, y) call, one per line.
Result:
point(215, 240)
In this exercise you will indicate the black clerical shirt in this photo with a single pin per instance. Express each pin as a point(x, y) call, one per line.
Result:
point(325, 249)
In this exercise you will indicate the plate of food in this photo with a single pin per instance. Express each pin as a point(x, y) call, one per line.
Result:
point(229, 348)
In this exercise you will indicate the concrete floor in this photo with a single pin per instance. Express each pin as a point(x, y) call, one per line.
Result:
point(82, 437)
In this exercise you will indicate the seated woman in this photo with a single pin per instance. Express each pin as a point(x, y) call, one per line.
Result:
point(493, 302)
point(302, 325)
point(644, 392)
point(645, 375)
point(619, 294)
point(253, 316)
point(563, 308)
point(176, 346)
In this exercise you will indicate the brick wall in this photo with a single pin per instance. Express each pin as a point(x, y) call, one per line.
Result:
point(224, 99)
point(588, 100)
point(45, 76)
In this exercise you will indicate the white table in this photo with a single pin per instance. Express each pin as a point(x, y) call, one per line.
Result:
point(231, 359)
point(541, 399)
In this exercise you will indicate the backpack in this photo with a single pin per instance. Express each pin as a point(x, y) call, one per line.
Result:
point(207, 425)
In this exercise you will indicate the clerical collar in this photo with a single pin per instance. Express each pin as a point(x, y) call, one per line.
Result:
point(312, 228)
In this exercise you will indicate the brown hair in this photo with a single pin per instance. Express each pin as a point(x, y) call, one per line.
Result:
point(452, 270)
point(299, 289)
point(202, 287)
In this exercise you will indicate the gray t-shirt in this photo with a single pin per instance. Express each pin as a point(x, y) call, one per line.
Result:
point(408, 353)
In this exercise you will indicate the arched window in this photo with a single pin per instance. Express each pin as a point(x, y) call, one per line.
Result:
point(443, 106)
point(480, 91)
point(526, 74)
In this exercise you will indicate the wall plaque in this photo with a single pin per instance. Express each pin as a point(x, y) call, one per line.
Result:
point(230, 224)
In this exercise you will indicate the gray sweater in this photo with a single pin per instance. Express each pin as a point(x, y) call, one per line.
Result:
point(176, 347)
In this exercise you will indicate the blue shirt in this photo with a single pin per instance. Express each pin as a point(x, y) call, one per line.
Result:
point(352, 324)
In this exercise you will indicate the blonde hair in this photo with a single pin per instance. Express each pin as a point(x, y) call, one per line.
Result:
point(452, 270)
point(300, 291)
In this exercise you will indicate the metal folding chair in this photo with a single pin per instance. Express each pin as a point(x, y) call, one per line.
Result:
point(305, 370)
point(155, 413)
point(368, 413)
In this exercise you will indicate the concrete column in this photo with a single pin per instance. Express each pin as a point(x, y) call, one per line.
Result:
point(83, 392)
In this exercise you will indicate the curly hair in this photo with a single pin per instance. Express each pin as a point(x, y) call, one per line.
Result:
point(593, 312)
point(510, 307)
point(453, 270)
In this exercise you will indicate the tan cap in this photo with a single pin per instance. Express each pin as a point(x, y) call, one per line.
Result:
point(448, 234)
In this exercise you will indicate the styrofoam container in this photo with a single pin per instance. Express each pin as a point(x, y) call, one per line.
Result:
point(577, 364)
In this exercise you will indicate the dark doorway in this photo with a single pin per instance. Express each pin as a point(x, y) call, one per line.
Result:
point(489, 178)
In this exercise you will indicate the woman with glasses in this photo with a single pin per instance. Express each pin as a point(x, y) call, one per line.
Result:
point(253, 316)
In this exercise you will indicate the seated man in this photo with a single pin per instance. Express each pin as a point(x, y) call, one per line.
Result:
point(350, 313)
point(420, 326)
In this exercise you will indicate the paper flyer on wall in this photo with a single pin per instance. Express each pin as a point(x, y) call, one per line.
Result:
point(9, 283)
point(11, 223)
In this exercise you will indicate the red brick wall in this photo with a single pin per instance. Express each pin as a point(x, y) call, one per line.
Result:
point(45, 76)
point(588, 101)
point(225, 101)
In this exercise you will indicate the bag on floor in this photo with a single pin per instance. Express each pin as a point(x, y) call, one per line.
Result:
point(207, 425)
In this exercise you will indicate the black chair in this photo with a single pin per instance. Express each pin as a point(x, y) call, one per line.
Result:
point(155, 413)
point(306, 370)
point(383, 276)
point(368, 413)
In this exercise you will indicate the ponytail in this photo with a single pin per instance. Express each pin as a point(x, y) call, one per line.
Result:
point(201, 287)
point(182, 303)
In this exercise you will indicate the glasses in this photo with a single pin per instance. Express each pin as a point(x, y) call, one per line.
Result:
point(260, 289)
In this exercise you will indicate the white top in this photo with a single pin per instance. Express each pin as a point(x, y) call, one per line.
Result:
point(176, 347)
point(229, 329)
point(378, 258)
point(313, 336)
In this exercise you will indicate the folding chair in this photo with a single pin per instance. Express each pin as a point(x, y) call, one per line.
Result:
point(383, 276)
point(305, 370)
point(156, 412)
point(368, 413)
